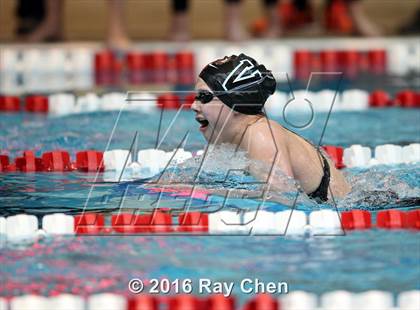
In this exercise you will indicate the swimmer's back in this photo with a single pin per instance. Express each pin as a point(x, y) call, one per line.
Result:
point(305, 161)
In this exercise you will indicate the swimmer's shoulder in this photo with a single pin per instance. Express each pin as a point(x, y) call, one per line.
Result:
point(269, 133)
point(268, 124)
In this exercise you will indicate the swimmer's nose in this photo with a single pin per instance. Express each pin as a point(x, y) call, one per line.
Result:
point(195, 106)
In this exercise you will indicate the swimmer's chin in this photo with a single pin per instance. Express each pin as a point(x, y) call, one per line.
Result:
point(203, 128)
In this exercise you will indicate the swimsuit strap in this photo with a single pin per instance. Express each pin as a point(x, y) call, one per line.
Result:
point(321, 193)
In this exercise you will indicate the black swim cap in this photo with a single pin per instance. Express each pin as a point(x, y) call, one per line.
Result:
point(240, 83)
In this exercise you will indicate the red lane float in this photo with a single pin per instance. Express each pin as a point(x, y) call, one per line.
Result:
point(29, 163)
point(302, 64)
point(396, 219)
point(143, 302)
point(157, 222)
point(220, 302)
point(193, 222)
point(57, 161)
point(54, 161)
point(107, 68)
point(136, 66)
point(184, 302)
point(169, 101)
point(407, 99)
point(89, 223)
point(379, 99)
point(157, 65)
point(89, 161)
point(160, 67)
point(36, 104)
point(391, 219)
point(413, 219)
point(185, 66)
point(333, 61)
point(336, 154)
point(6, 165)
point(349, 61)
point(9, 104)
point(330, 61)
point(262, 302)
point(377, 61)
point(356, 219)
point(4, 162)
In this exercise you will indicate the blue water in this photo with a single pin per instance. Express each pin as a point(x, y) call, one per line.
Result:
point(374, 259)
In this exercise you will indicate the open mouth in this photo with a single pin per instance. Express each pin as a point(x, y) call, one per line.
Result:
point(203, 122)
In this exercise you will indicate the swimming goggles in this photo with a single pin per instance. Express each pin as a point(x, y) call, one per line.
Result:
point(204, 96)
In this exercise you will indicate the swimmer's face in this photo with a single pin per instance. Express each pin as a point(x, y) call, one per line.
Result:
point(211, 115)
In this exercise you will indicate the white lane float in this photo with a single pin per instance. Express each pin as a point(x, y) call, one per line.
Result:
point(409, 300)
point(58, 224)
point(374, 299)
point(106, 301)
point(261, 222)
point(21, 228)
point(226, 222)
point(90, 102)
point(411, 153)
point(80, 67)
point(299, 300)
point(142, 101)
point(29, 302)
point(55, 62)
point(388, 154)
point(150, 162)
point(353, 100)
point(116, 159)
point(67, 301)
point(113, 101)
point(300, 101)
point(61, 104)
point(337, 300)
point(291, 222)
point(325, 222)
point(3, 304)
point(11, 72)
point(325, 100)
point(357, 156)
point(397, 63)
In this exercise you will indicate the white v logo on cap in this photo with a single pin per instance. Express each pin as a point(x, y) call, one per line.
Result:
point(248, 75)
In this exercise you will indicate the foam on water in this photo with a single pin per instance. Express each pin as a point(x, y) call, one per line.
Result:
point(383, 187)
point(224, 171)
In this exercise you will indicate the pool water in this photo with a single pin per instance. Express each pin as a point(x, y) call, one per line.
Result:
point(358, 261)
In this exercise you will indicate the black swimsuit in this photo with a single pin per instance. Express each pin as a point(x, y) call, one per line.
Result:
point(321, 193)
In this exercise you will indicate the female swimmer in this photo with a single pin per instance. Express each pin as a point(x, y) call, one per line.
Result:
point(231, 93)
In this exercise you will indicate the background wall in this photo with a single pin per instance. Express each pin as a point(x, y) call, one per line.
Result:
point(150, 19)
